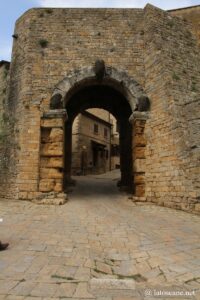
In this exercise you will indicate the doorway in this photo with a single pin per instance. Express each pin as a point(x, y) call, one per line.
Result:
point(106, 96)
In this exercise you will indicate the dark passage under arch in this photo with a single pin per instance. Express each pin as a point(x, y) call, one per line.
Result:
point(107, 97)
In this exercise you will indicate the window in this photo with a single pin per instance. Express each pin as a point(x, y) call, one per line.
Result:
point(105, 132)
point(114, 150)
point(96, 129)
point(117, 127)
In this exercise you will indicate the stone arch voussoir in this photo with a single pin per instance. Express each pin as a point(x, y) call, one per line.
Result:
point(134, 91)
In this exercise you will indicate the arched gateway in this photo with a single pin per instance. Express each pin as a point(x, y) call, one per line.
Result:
point(40, 98)
point(115, 92)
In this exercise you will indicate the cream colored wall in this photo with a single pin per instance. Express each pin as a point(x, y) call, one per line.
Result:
point(100, 113)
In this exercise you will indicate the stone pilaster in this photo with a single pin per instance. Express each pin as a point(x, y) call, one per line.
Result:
point(52, 156)
point(138, 120)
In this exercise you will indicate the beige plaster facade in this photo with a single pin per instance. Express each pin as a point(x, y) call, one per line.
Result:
point(92, 139)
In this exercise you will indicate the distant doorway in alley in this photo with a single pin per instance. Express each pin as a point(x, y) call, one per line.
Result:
point(95, 143)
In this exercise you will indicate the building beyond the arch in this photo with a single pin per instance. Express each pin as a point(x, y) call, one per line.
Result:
point(147, 55)
point(95, 143)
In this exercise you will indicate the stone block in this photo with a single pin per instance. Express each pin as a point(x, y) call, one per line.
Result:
point(56, 135)
point(23, 195)
point(139, 152)
point(192, 194)
point(139, 140)
point(112, 284)
point(33, 195)
point(51, 162)
point(52, 123)
point(50, 173)
point(197, 207)
point(58, 186)
point(50, 201)
point(52, 149)
point(139, 130)
point(139, 165)
point(46, 185)
point(139, 190)
point(102, 267)
point(139, 199)
point(45, 135)
point(185, 206)
point(27, 186)
point(82, 291)
point(49, 135)
point(139, 178)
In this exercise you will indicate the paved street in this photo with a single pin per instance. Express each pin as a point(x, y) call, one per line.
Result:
point(99, 245)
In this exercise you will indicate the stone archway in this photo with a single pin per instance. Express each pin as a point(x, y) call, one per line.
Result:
point(93, 94)
point(59, 119)
point(116, 78)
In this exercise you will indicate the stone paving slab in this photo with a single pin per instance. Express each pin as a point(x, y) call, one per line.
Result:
point(96, 242)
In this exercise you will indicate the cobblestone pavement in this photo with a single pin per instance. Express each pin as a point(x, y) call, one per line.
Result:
point(99, 245)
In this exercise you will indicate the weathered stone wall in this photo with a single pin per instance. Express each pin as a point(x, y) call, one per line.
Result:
point(50, 44)
point(191, 14)
point(26, 108)
point(4, 72)
point(3, 127)
point(172, 83)
point(6, 134)
point(155, 49)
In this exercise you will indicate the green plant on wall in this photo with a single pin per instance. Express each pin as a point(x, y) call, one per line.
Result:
point(175, 76)
point(3, 142)
point(43, 43)
point(7, 142)
point(5, 74)
point(49, 11)
point(3, 128)
point(171, 23)
point(3, 135)
point(193, 87)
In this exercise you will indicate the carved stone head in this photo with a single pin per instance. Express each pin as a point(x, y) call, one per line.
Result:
point(99, 69)
point(143, 104)
point(56, 101)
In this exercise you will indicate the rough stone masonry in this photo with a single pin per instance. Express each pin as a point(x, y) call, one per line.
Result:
point(148, 54)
